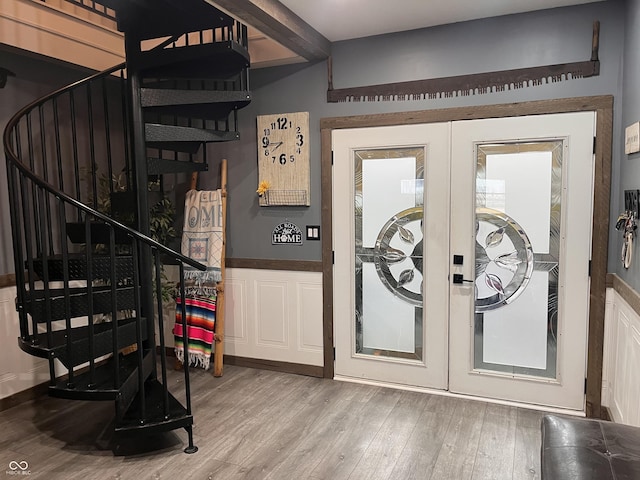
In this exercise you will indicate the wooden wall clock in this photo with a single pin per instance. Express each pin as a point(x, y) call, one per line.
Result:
point(283, 159)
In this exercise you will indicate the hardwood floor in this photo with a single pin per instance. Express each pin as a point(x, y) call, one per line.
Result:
point(258, 424)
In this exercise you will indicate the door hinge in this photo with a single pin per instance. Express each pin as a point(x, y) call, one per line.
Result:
point(334, 353)
point(594, 145)
point(589, 267)
point(585, 385)
point(332, 158)
point(333, 257)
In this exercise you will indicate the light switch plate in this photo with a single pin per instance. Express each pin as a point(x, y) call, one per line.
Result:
point(313, 232)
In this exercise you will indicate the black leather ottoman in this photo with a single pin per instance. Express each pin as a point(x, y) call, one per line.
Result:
point(581, 449)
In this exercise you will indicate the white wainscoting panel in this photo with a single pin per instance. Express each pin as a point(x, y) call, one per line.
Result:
point(310, 335)
point(621, 372)
point(271, 313)
point(274, 315)
point(18, 370)
point(235, 307)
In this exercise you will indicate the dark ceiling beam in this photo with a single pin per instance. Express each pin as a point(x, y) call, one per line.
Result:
point(280, 24)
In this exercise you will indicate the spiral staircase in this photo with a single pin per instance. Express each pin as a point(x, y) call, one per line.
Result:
point(85, 167)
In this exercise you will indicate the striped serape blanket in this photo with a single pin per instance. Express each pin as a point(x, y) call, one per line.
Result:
point(201, 317)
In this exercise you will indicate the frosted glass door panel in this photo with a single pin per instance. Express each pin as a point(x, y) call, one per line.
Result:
point(388, 256)
point(390, 322)
point(383, 194)
point(518, 210)
point(527, 181)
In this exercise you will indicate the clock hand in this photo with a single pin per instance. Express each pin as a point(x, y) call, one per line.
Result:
point(276, 146)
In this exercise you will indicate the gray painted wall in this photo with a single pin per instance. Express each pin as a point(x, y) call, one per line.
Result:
point(538, 38)
point(629, 165)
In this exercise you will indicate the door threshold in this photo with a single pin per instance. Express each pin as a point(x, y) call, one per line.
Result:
point(446, 393)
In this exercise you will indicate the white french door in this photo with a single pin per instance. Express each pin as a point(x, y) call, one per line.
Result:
point(391, 217)
point(523, 212)
point(461, 256)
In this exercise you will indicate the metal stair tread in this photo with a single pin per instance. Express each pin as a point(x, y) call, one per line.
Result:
point(155, 418)
point(156, 132)
point(78, 334)
point(209, 60)
point(78, 302)
point(77, 265)
point(156, 97)
point(54, 293)
point(201, 104)
point(139, 16)
point(103, 388)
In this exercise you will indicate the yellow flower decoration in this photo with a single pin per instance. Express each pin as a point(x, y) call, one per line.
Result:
point(263, 186)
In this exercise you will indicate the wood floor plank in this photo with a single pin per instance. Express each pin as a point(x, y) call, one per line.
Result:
point(496, 448)
point(361, 426)
point(241, 417)
point(458, 452)
point(385, 449)
point(419, 455)
point(290, 434)
point(315, 446)
point(528, 418)
point(526, 461)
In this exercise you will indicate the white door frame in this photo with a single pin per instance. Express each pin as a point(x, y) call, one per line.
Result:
point(602, 105)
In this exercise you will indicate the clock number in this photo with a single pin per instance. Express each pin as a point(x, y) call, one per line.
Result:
point(265, 142)
point(282, 123)
point(267, 132)
point(266, 152)
point(299, 140)
point(282, 159)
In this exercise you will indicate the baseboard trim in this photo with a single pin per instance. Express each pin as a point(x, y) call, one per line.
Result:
point(276, 366)
point(18, 398)
point(8, 280)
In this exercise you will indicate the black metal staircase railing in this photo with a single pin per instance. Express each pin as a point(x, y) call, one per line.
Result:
point(93, 7)
point(55, 148)
point(88, 271)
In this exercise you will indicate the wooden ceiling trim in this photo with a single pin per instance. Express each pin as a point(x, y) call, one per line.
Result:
point(280, 24)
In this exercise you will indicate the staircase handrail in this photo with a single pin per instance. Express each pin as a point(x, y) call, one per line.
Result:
point(12, 157)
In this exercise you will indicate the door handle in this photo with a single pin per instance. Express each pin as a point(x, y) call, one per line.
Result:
point(459, 278)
